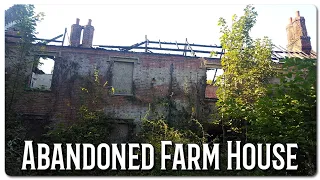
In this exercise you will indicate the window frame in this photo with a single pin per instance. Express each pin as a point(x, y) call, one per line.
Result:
point(52, 56)
point(134, 60)
point(212, 84)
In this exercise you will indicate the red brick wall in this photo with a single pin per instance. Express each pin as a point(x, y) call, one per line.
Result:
point(151, 80)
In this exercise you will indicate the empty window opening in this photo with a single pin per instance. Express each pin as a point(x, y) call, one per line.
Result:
point(212, 75)
point(42, 73)
point(122, 79)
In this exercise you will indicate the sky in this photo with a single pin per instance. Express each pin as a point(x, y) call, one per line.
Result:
point(127, 24)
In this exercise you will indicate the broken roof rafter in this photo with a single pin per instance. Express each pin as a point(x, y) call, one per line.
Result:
point(277, 54)
point(153, 48)
point(174, 47)
point(282, 52)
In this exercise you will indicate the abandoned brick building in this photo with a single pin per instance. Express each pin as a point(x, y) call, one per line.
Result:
point(136, 79)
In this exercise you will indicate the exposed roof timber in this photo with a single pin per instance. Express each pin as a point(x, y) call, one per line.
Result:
point(156, 48)
point(133, 46)
point(277, 53)
point(293, 53)
point(57, 37)
point(184, 44)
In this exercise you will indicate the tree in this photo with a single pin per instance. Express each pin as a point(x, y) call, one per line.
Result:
point(287, 114)
point(25, 21)
point(247, 68)
point(262, 111)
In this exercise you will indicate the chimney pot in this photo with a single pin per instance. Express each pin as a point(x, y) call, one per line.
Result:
point(87, 36)
point(297, 14)
point(290, 20)
point(75, 34)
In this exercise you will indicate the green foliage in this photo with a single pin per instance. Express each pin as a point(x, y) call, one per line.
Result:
point(209, 81)
point(26, 20)
point(91, 126)
point(15, 136)
point(16, 77)
point(154, 131)
point(94, 92)
point(270, 113)
point(262, 112)
point(247, 68)
point(179, 118)
point(288, 113)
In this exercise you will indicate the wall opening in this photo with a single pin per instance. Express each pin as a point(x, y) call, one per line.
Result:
point(212, 75)
point(42, 72)
point(122, 130)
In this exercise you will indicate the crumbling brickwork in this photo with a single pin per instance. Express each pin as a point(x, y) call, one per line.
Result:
point(155, 76)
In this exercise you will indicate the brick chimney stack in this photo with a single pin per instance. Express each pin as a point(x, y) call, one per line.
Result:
point(298, 39)
point(87, 37)
point(75, 34)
